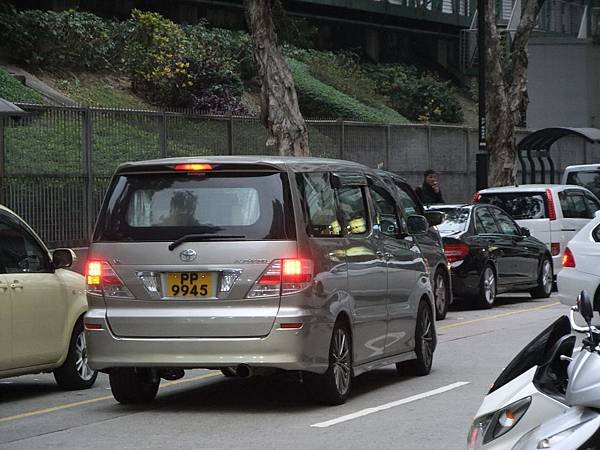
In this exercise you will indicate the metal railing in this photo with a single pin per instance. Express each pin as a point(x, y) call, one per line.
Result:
point(56, 162)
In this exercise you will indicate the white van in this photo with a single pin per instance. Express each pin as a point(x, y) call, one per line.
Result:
point(553, 213)
point(586, 175)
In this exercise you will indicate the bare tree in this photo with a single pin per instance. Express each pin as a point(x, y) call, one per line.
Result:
point(506, 88)
point(279, 111)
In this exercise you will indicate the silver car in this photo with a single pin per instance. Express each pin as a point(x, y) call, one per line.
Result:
point(252, 265)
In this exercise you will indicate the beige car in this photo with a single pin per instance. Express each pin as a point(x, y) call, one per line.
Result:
point(41, 308)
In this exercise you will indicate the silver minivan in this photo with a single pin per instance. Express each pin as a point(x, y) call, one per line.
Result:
point(251, 265)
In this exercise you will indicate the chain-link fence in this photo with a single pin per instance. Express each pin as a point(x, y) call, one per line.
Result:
point(56, 162)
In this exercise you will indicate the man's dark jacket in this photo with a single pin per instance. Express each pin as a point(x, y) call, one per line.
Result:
point(428, 196)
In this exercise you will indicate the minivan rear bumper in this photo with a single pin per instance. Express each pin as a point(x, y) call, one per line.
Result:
point(289, 349)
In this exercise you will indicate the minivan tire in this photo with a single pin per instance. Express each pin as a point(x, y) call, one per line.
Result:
point(488, 287)
point(75, 374)
point(130, 385)
point(333, 387)
point(424, 344)
point(441, 294)
point(545, 280)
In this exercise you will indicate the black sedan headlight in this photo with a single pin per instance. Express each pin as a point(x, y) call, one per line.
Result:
point(493, 425)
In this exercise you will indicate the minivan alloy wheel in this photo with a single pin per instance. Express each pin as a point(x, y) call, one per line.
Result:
point(427, 338)
point(341, 361)
point(81, 361)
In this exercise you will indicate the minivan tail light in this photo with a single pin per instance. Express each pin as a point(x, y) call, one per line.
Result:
point(101, 279)
point(555, 248)
point(551, 209)
point(476, 197)
point(568, 260)
point(456, 252)
point(283, 277)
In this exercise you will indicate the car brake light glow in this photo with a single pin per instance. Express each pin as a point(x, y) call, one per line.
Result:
point(456, 252)
point(476, 197)
point(94, 272)
point(568, 260)
point(283, 277)
point(193, 167)
point(103, 280)
point(555, 248)
point(551, 209)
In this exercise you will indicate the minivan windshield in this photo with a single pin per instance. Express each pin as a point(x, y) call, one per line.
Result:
point(519, 205)
point(587, 179)
point(167, 206)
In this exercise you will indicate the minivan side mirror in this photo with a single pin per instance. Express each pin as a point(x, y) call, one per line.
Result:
point(63, 258)
point(525, 232)
point(584, 305)
point(417, 224)
point(434, 217)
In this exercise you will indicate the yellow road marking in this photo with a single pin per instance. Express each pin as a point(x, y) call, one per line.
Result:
point(100, 399)
point(497, 316)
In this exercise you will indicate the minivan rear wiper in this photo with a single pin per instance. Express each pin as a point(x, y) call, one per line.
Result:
point(201, 237)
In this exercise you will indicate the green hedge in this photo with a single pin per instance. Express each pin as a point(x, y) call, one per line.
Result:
point(13, 91)
point(318, 99)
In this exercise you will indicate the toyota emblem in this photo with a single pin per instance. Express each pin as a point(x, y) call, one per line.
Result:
point(188, 255)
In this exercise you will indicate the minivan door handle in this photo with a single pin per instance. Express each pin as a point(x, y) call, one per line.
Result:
point(3, 287)
point(383, 255)
point(16, 285)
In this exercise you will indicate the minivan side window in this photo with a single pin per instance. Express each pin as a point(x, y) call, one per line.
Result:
point(409, 206)
point(353, 209)
point(574, 206)
point(19, 252)
point(592, 204)
point(386, 218)
point(319, 203)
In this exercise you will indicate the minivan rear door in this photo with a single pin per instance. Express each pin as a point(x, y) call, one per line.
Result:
point(197, 253)
point(577, 211)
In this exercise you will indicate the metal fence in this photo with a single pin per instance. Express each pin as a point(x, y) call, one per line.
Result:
point(56, 162)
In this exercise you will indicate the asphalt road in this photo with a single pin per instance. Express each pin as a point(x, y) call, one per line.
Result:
point(206, 410)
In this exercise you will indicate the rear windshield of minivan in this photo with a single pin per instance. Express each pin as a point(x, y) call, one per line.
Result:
point(166, 206)
point(587, 179)
point(519, 205)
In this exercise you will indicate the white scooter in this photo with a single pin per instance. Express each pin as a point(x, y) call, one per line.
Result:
point(544, 398)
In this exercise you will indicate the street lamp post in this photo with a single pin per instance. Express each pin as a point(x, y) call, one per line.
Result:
point(481, 161)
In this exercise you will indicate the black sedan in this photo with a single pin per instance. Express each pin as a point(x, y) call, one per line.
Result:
point(490, 254)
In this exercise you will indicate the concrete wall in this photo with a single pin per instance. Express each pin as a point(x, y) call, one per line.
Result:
point(564, 83)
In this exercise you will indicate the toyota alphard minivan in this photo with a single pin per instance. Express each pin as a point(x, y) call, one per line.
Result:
point(251, 265)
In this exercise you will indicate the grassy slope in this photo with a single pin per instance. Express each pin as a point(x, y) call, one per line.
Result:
point(13, 91)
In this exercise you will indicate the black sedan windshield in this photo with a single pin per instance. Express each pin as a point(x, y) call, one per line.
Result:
point(456, 220)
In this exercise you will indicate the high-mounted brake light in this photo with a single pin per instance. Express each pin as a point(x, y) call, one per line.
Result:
point(476, 197)
point(568, 260)
point(456, 252)
point(103, 280)
point(551, 209)
point(283, 277)
point(193, 167)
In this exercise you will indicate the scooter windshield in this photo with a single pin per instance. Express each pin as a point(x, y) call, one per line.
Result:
point(535, 353)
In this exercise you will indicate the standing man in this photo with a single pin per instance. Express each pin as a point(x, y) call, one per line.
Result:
point(430, 192)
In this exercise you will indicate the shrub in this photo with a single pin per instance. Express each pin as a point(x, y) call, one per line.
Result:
point(318, 99)
point(59, 40)
point(417, 96)
point(13, 91)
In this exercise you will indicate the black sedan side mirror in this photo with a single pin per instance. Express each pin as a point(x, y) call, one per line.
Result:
point(434, 217)
point(417, 224)
point(63, 258)
point(525, 232)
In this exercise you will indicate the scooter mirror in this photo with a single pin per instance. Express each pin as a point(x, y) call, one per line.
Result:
point(584, 305)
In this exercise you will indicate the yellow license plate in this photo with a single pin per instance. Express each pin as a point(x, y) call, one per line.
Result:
point(190, 284)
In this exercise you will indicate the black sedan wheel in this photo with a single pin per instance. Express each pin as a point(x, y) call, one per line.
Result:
point(486, 297)
point(441, 293)
point(545, 279)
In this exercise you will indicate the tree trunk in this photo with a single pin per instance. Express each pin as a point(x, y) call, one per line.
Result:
point(506, 90)
point(279, 111)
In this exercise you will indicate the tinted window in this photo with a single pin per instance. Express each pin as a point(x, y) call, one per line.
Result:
point(484, 222)
point(19, 251)
point(590, 180)
point(166, 206)
point(319, 203)
point(519, 205)
point(455, 220)
point(574, 206)
point(409, 206)
point(386, 219)
point(592, 204)
point(507, 226)
point(353, 209)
